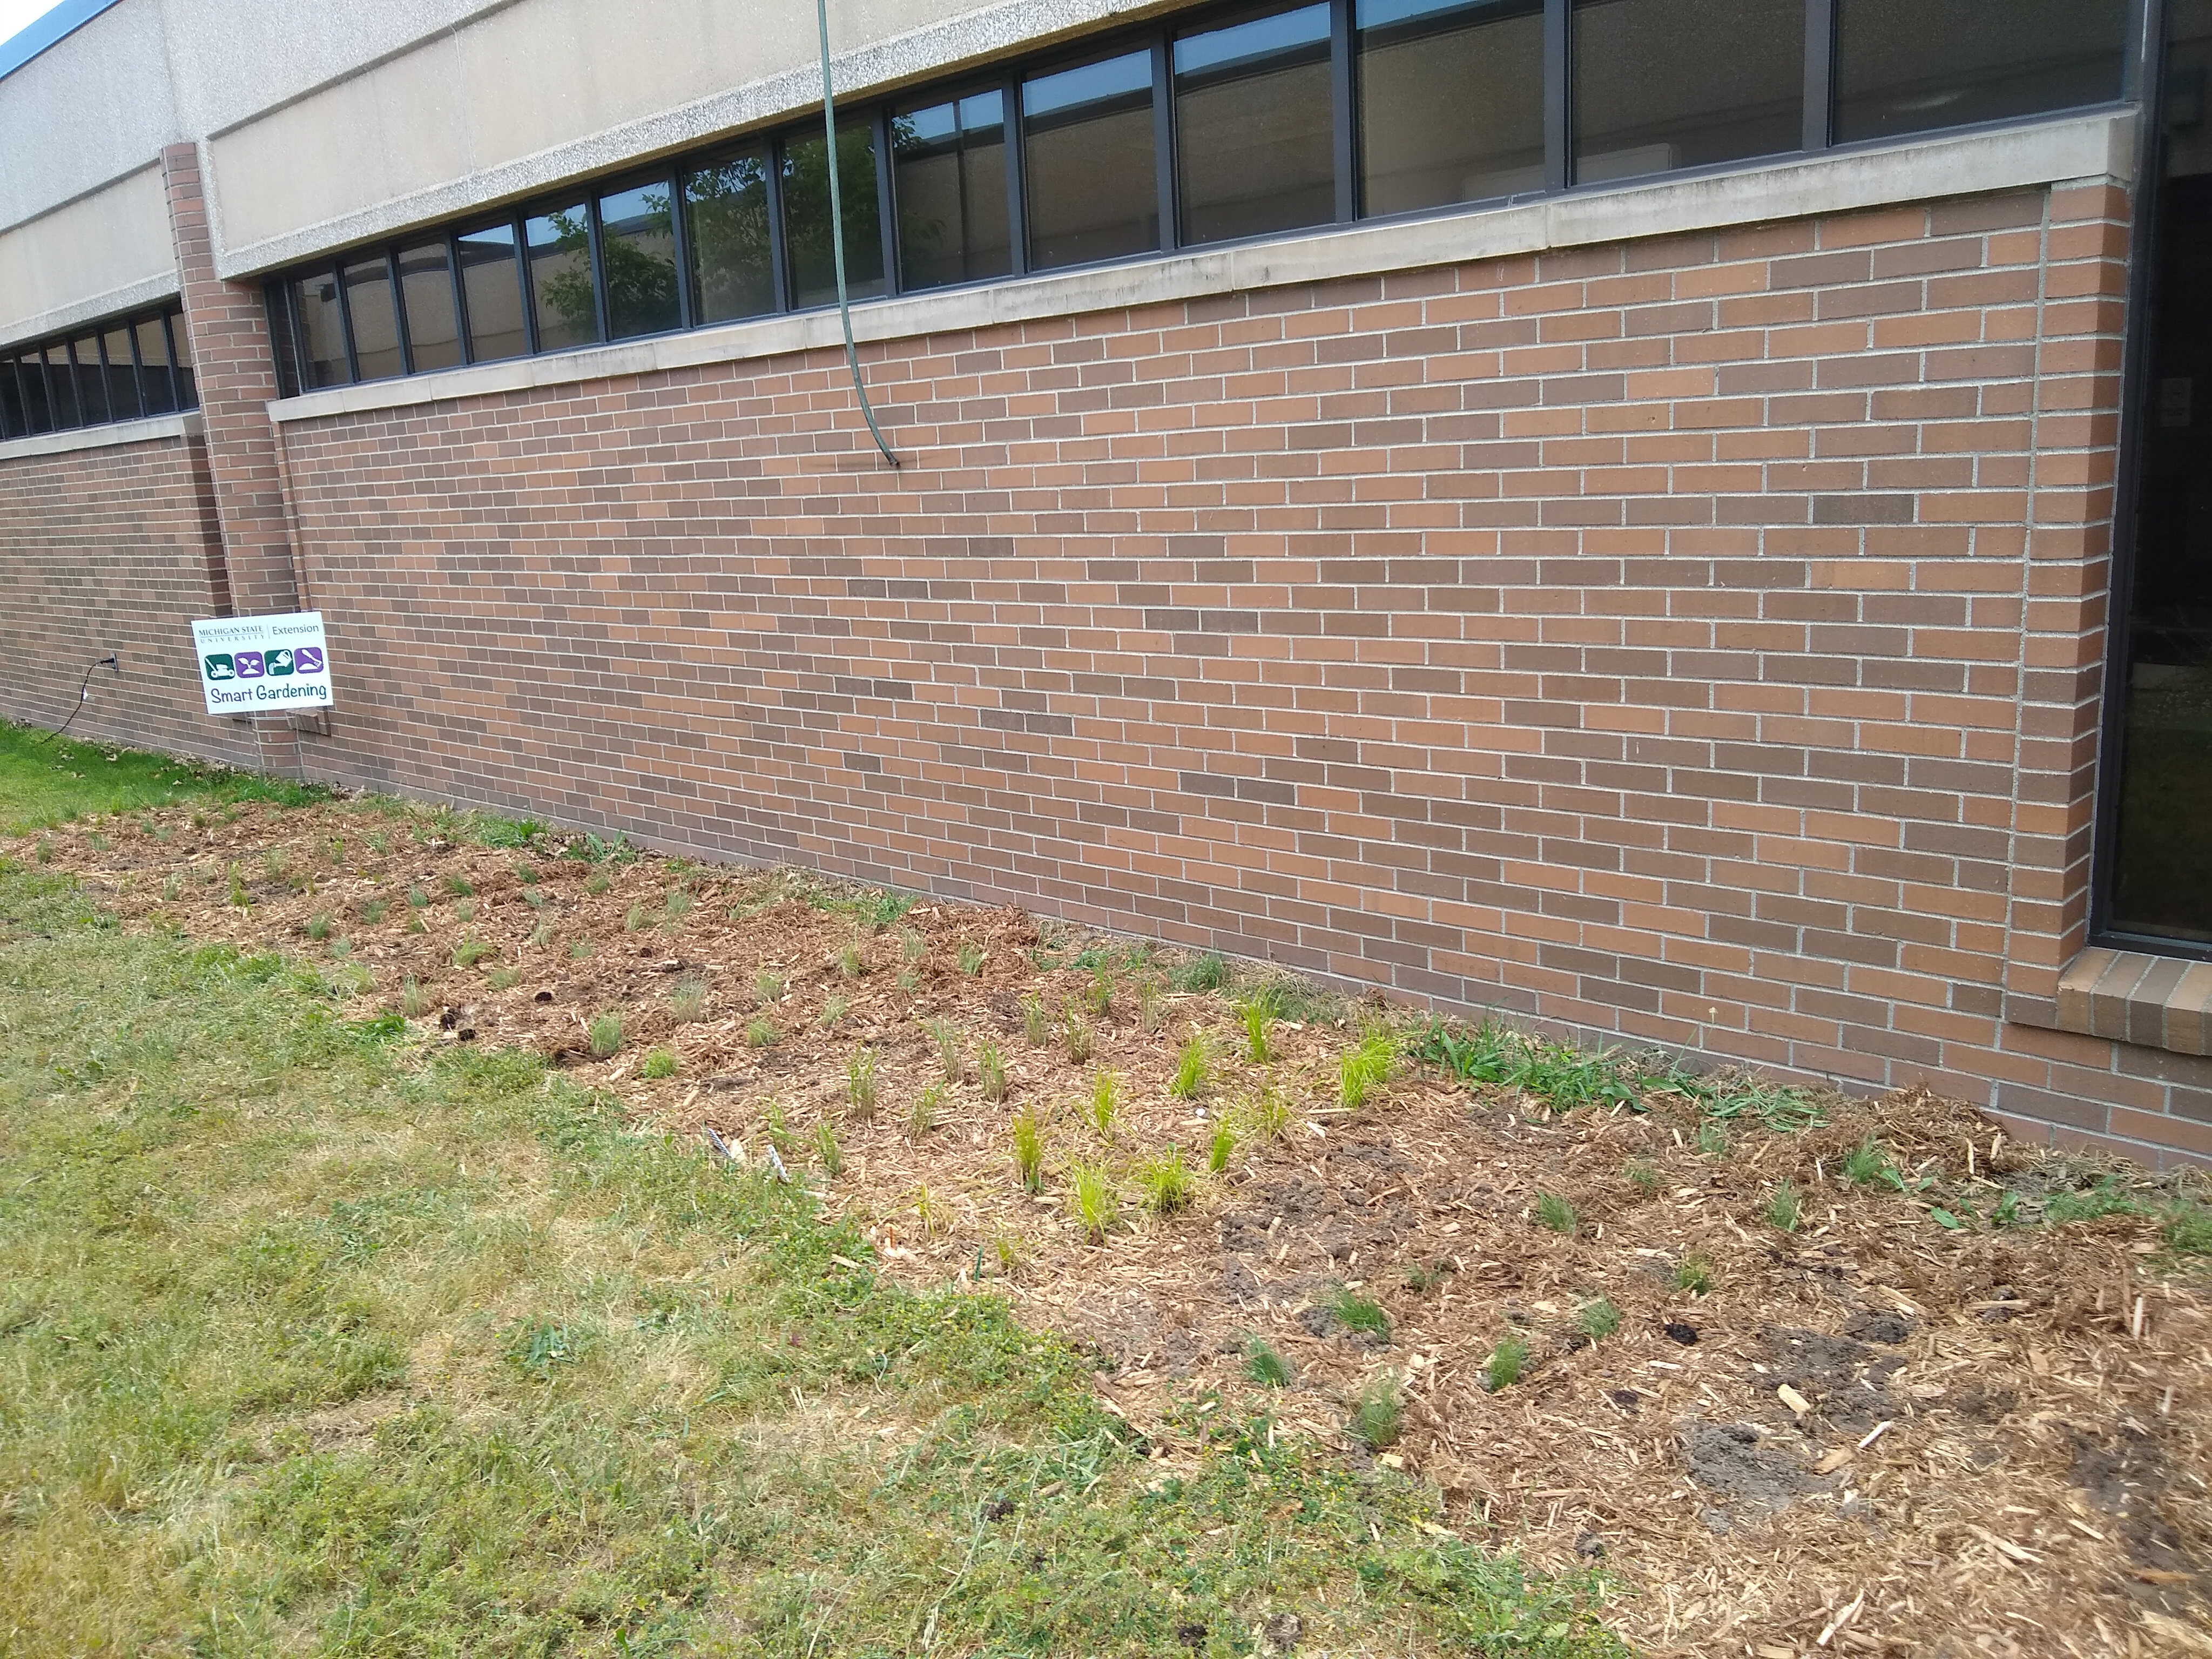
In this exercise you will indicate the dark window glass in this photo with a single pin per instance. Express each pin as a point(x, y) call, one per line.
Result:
point(560, 250)
point(806, 217)
point(38, 407)
point(2159, 867)
point(949, 164)
point(14, 423)
point(1909, 65)
point(180, 351)
point(732, 258)
point(153, 364)
point(1682, 83)
point(61, 388)
point(637, 251)
point(1087, 154)
point(122, 379)
point(91, 380)
point(1451, 101)
point(1254, 150)
point(376, 320)
point(322, 336)
point(425, 288)
point(283, 337)
point(491, 286)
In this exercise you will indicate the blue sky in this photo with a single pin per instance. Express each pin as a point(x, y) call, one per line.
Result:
point(16, 15)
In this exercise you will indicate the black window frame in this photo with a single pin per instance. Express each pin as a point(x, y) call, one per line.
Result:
point(36, 381)
point(1156, 35)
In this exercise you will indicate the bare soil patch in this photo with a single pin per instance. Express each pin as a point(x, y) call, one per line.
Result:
point(1877, 1433)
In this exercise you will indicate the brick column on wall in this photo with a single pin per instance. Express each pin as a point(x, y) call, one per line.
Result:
point(235, 369)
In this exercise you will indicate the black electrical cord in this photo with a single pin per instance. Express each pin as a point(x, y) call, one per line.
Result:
point(83, 696)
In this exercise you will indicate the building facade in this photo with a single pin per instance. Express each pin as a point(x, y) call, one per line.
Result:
point(1689, 521)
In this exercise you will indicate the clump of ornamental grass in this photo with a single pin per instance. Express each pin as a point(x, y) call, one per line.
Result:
point(1219, 1151)
point(1166, 1181)
point(1194, 1064)
point(1096, 1205)
point(761, 1032)
point(1258, 1016)
point(1265, 1366)
point(606, 1033)
point(414, 1002)
point(1554, 1214)
point(768, 985)
point(658, 1063)
point(1077, 1034)
point(1694, 1273)
point(1597, 1319)
point(1381, 1413)
point(1105, 1104)
point(828, 1153)
point(1358, 1313)
point(1036, 1021)
point(1785, 1207)
point(1642, 1175)
point(860, 1085)
point(688, 1001)
point(1028, 1150)
point(946, 1035)
point(991, 1072)
point(1364, 1068)
point(971, 958)
point(921, 1117)
point(1508, 1361)
point(1207, 973)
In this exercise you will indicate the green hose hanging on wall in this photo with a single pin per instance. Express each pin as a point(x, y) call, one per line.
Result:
point(838, 235)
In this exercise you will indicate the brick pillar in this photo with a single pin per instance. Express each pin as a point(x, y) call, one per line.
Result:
point(235, 369)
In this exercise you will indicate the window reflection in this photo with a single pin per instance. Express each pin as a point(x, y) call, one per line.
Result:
point(1088, 159)
point(949, 176)
point(155, 379)
point(1660, 84)
point(565, 305)
point(1254, 121)
point(375, 318)
point(733, 253)
point(14, 423)
point(1451, 101)
point(808, 249)
point(637, 254)
point(122, 378)
point(61, 387)
point(1913, 65)
point(491, 290)
point(91, 380)
point(425, 288)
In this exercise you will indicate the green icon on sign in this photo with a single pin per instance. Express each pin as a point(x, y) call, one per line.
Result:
point(280, 662)
point(218, 668)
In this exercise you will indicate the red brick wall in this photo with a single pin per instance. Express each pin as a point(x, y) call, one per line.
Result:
point(1695, 640)
point(113, 550)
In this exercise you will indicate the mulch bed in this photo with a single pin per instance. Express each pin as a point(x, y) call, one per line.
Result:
point(1876, 1434)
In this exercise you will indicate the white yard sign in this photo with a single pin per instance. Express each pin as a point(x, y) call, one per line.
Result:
point(263, 664)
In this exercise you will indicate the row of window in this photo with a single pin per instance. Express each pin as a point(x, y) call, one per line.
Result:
point(122, 369)
point(1218, 124)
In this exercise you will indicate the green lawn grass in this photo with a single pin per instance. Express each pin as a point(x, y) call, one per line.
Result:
point(316, 1339)
point(48, 781)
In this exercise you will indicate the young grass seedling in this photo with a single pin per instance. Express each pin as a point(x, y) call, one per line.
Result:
point(971, 958)
point(912, 946)
point(1556, 1215)
point(946, 1035)
point(1105, 1103)
point(678, 907)
point(1037, 1023)
point(500, 979)
point(1168, 1182)
point(1642, 1175)
point(860, 1084)
point(459, 886)
point(1712, 1138)
point(921, 1117)
point(1694, 1273)
point(606, 1033)
point(1149, 1013)
point(761, 1032)
point(1507, 1362)
point(471, 952)
point(581, 949)
point(1270, 1113)
point(688, 1001)
point(372, 912)
point(318, 925)
point(658, 1063)
point(1193, 1062)
point(1597, 1319)
point(1028, 1150)
point(1381, 1412)
point(412, 1001)
point(768, 986)
point(1785, 1207)
point(598, 882)
point(1257, 1016)
point(1425, 1276)
point(991, 1072)
point(826, 1152)
point(1224, 1145)
point(1098, 995)
point(1864, 1164)
point(1076, 1033)
point(1265, 1366)
point(1097, 1206)
point(1357, 1313)
point(634, 918)
point(542, 935)
point(1365, 1068)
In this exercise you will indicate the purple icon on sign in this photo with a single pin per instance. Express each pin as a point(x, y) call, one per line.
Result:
point(249, 664)
point(308, 659)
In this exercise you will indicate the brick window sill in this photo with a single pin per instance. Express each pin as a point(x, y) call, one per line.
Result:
point(2153, 1002)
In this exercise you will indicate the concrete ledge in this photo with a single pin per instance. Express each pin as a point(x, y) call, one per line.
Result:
point(117, 433)
point(2098, 146)
point(2153, 1002)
